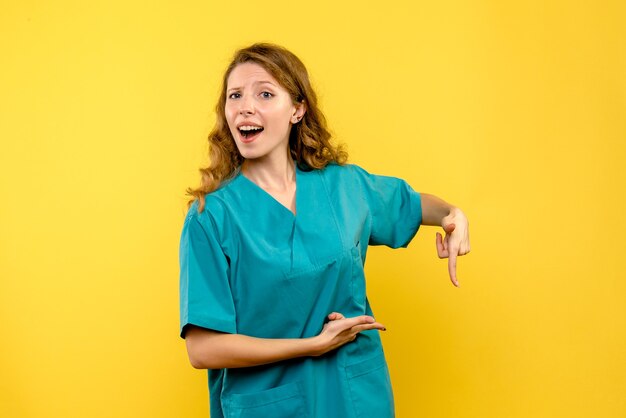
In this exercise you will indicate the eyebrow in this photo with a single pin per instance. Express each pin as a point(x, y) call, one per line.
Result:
point(256, 82)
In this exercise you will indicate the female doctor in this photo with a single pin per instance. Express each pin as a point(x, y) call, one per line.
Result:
point(272, 290)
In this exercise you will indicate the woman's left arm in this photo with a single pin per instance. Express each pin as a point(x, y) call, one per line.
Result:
point(437, 212)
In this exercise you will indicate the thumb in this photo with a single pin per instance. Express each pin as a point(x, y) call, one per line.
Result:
point(449, 228)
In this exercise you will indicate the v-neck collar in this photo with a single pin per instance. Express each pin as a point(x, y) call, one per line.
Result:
point(268, 196)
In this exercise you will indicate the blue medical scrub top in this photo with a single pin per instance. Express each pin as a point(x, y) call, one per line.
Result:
point(248, 265)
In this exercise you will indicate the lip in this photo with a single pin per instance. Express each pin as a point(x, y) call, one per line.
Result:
point(244, 140)
point(248, 140)
point(239, 125)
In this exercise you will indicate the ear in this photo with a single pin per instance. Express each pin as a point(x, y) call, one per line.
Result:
point(299, 112)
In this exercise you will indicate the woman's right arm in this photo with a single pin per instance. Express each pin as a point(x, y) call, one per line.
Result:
point(209, 349)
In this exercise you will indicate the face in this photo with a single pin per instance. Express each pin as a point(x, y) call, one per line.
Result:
point(259, 112)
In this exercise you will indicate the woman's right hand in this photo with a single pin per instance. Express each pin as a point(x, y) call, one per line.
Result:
point(340, 330)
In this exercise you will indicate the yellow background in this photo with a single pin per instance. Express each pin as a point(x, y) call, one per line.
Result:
point(515, 111)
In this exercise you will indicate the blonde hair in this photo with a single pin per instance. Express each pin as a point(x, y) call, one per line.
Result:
point(309, 140)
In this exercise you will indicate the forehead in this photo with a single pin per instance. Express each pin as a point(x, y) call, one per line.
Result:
point(249, 73)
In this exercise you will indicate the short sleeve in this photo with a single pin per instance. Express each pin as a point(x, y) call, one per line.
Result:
point(395, 209)
point(205, 295)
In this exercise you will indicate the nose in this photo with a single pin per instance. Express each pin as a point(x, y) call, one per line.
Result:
point(246, 105)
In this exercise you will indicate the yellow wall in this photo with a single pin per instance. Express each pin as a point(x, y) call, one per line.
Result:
point(516, 112)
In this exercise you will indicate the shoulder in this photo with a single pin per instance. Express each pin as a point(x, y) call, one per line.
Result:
point(346, 172)
point(220, 200)
point(354, 178)
point(351, 175)
point(213, 205)
point(214, 216)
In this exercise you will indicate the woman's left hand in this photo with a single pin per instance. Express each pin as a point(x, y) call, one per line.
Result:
point(456, 241)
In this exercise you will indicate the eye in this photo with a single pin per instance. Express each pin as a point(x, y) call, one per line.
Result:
point(234, 96)
point(267, 95)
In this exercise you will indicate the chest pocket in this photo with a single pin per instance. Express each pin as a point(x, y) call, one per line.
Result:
point(331, 285)
point(285, 401)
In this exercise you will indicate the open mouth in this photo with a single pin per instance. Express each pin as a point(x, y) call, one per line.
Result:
point(250, 132)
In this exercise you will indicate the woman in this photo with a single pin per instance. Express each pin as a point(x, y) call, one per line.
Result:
point(273, 296)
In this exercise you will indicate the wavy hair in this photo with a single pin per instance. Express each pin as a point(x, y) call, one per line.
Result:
point(309, 140)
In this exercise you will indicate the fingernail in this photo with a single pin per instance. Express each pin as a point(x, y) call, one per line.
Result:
point(384, 329)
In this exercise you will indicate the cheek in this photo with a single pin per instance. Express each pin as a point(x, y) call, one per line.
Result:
point(228, 111)
point(278, 117)
point(230, 116)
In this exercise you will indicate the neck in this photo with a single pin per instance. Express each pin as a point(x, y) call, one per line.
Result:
point(276, 174)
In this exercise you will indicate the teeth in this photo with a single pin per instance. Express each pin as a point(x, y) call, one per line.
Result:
point(250, 128)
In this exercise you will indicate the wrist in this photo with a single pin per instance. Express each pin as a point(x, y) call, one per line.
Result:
point(451, 213)
point(314, 346)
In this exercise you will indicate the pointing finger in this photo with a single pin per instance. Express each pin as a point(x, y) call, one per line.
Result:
point(365, 327)
point(452, 268)
point(359, 320)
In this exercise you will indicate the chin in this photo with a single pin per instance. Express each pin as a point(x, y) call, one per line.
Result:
point(259, 149)
point(249, 153)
